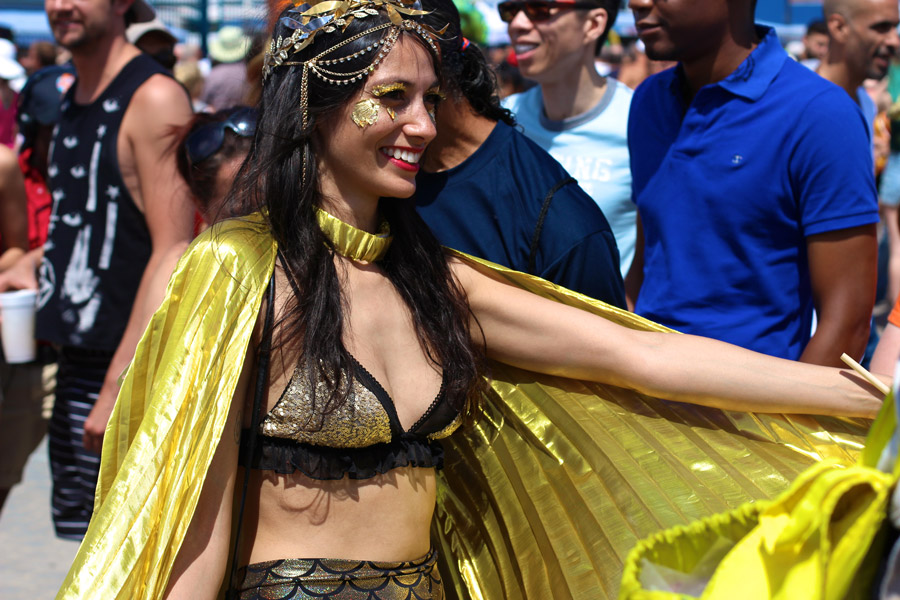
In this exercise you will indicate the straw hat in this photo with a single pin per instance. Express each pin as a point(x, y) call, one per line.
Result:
point(230, 45)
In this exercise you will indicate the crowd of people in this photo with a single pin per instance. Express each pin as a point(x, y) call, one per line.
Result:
point(241, 259)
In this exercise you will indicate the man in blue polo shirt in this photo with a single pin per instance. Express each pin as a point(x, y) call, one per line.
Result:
point(754, 187)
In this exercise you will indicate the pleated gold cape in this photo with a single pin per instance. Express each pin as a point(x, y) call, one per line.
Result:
point(542, 498)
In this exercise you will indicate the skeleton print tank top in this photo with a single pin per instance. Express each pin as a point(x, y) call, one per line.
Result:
point(98, 242)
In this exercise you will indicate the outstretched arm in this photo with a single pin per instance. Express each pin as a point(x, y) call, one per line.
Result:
point(533, 333)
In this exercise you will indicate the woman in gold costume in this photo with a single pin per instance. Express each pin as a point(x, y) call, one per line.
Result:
point(292, 389)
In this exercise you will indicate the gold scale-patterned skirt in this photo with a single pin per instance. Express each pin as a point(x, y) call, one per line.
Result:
point(339, 579)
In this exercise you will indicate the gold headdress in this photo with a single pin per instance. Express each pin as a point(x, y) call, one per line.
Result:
point(308, 21)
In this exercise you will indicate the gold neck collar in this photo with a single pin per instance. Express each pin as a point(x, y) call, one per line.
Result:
point(354, 243)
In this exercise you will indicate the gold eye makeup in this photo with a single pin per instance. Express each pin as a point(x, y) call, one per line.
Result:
point(436, 93)
point(384, 89)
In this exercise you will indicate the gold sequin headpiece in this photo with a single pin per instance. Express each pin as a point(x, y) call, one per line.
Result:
point(310, 20)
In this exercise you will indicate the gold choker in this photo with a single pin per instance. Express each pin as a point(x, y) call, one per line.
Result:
point(354, 243)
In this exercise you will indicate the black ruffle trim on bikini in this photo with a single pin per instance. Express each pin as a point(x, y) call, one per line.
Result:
point(286, 456)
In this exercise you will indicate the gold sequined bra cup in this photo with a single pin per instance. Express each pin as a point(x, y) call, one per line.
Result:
point(361, 439)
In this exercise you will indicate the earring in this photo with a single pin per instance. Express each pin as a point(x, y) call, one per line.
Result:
point(365, 113)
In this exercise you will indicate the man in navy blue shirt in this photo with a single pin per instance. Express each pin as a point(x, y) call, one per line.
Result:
point(487, 190)
point(754, 187)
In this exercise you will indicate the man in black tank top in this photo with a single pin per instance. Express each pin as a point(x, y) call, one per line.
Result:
point(121, 219)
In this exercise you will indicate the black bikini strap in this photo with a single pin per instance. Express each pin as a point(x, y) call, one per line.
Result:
point(261, 392)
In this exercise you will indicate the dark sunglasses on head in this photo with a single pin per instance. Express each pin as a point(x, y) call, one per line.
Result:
point(537, 10)
point(207, 139)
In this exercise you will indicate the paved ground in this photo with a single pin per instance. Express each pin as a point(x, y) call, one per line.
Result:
point(33, 561)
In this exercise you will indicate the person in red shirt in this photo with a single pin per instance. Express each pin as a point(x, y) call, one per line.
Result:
point(26, 391)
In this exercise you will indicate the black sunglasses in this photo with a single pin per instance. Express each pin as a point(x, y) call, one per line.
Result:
point(207, 139)
point(537, 10)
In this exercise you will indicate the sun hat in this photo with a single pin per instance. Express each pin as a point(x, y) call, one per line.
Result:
point(229, 45)
point(10, 69)
point(137, 30)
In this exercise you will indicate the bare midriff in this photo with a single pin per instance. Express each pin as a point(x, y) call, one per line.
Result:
point(384, 518)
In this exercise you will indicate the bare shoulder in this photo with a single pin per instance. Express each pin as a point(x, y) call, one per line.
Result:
point(484, 288)
point(470, 272)
point(161, 101)
point(464, 273)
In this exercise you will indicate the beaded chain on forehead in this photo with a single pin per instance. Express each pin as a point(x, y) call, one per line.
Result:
point(329, 17)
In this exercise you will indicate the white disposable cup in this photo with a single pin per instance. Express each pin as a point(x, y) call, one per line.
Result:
point(17, 330)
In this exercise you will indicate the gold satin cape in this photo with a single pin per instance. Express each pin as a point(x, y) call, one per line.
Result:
point(542, 498)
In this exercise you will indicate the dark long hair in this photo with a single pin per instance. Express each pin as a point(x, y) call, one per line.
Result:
point(466, 72)
point(271, 179)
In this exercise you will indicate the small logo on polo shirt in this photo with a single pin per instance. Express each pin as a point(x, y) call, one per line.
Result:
point(737, 159)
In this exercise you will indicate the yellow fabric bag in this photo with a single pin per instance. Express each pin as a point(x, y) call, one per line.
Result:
point(811, 542)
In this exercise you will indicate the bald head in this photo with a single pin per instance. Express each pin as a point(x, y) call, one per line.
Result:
point(841, 7)
point(851, 9)
point(863, 35)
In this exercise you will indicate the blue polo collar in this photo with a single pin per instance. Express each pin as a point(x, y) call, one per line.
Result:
point(753, 76)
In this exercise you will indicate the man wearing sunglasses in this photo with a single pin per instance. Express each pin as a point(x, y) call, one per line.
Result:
point(121, 218)
point(575, 114)
point(755, 187)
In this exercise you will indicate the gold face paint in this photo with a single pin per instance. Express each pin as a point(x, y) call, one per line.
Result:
point(365, 113)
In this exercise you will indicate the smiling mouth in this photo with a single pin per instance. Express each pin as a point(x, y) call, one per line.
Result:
point(520, 49)
point(404, 158)
point(402, 154)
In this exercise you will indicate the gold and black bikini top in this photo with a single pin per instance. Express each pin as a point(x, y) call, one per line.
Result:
point(361, 438)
